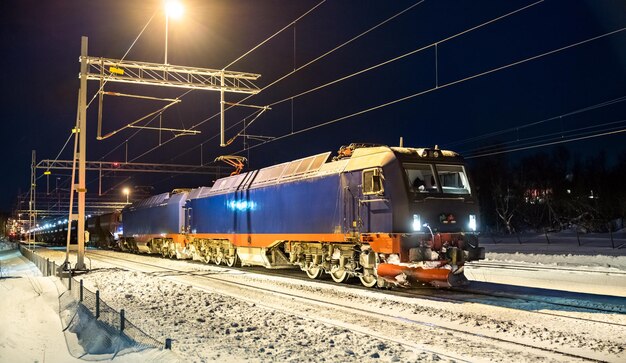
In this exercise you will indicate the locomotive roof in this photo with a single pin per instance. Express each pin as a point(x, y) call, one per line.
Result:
point(159, 199)
point(415, 154)
point(318, 165)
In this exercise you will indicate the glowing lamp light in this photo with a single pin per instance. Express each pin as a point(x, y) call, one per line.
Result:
point(241, 205)
point(417, 222)
point(126, 192)
point(174, 9)
point(472, 222)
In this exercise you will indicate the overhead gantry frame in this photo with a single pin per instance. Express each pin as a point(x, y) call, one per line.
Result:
point(144, 73)
point(167, 75)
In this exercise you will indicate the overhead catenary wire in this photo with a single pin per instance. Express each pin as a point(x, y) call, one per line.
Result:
point(535, 140)
point(230, 64)
point(607, 126)
point(551, 143)
point(535, 123)
point(410, 53)
point(365, 69)
point(416, 94)
point(343, 45)
point(123, 57)
point(138, 131)
point(285, 76)
point(185, 93)
point(459, 81)
point(62, 148)
point(386, 104)
point(273, 35)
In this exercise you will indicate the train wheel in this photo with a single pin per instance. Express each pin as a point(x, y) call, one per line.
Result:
point(369, 280)
point(231, 261)
point(340, 275)
point(314, 272)
point(218, 259)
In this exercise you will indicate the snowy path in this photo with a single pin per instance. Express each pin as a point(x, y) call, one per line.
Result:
point(29, 317)
point(211, 319)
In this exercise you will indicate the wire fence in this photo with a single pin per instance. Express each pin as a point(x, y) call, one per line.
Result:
point(114, 321)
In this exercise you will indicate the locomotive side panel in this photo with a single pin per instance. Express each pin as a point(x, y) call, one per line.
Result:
point(155, 227)
point(306, 209)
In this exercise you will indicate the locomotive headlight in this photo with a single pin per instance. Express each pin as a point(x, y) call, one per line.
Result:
point(417, 222)
point(472, 222)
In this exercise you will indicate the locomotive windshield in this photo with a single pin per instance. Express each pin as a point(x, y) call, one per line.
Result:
point(437, 178)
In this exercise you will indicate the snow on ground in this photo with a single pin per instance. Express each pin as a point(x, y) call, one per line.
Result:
point(208, 324)
point(556, 254)
point(29, 317)
point(211, 327)
point(5, 245)
point(555, 263)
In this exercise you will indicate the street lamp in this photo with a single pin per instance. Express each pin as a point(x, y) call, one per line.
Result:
point(126, 192)
point(173, 9)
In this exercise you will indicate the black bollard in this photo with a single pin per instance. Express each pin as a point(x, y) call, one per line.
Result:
point(97, 304)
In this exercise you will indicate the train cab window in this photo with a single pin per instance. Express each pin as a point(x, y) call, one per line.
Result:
point(421, 178)
point(372, 181)
point(453, 179)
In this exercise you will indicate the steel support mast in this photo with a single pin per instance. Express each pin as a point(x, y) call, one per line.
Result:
point(144, 73)
point(32, 210)
point(82, 155)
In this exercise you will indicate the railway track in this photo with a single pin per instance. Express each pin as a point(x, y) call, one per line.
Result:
point(353, 314)
point(531, 267)
point(464, 294)
point(469, 295)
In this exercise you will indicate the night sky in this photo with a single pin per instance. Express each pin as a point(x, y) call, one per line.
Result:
point(41, 47)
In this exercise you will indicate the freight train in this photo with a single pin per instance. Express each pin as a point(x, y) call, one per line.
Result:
point(104, 230)
point(387, 215)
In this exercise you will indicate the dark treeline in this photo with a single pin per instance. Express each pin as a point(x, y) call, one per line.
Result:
point(550, 191)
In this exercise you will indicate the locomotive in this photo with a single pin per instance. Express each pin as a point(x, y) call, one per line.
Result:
point(391, 216)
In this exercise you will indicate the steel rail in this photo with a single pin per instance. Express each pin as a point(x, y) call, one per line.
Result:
point(528, 267)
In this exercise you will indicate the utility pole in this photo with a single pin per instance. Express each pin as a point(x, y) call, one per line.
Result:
point(222, 137)
point(32, 211)
point(82, 154)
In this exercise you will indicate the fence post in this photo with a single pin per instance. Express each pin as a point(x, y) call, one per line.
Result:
point(611, 234)
point(97, 304)
point(81, 290)
point(122, 319)
point(168, 343)
point(578, 237)
point(69, 283)
point(547, 239)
